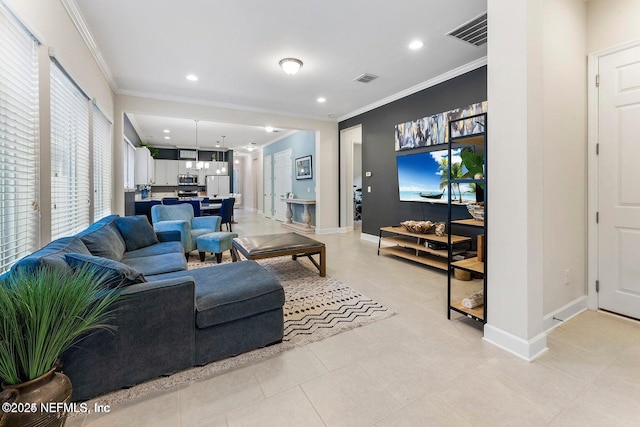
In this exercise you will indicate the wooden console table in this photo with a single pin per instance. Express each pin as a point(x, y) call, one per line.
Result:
point(415, 246)
point(305, 226)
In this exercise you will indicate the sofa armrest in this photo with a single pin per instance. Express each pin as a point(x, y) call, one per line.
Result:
point(212, 222)
point(184, 227)
point(155, 336)
point(168, 236)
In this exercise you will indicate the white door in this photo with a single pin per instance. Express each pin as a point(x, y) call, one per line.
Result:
point(267, 180)
point(282, 171)
point(619, 183)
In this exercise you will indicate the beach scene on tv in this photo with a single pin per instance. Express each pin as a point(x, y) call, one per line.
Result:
point(422, 177)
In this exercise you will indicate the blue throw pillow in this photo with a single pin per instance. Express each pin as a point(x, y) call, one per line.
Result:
point(136, 231)
point(116, 273)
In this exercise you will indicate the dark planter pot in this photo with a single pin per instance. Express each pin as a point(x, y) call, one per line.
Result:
point(25, 401)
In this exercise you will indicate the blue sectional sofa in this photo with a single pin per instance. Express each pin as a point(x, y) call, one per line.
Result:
point(169, 318)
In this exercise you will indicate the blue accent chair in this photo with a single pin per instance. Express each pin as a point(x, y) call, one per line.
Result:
point(180, 218)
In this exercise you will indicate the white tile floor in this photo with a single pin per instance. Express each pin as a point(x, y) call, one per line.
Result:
point(413, 369)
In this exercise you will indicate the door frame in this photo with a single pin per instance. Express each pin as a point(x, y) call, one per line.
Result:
point(592, 168)
point(348, 137)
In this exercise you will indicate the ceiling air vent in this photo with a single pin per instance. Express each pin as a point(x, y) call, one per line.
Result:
point(365, 78)
point(474, 31)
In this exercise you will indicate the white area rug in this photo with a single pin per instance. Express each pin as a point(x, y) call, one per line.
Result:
point(315, 308)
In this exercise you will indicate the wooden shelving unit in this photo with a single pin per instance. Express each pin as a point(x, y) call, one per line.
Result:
point(414, 246)
point(457, 289)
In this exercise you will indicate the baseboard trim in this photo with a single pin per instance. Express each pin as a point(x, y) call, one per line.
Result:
point(528, 350)
point(328, 230)
point(564, 313)
point(369, 237)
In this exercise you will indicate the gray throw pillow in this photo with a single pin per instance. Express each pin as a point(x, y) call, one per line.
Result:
point(116, 274)
point(136, 231)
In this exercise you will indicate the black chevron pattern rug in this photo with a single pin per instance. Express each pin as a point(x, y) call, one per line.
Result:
point(315, 307)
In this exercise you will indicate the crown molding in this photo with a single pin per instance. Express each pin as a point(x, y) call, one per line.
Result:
point(225, 105)
point(78, 20)
point(417, 88)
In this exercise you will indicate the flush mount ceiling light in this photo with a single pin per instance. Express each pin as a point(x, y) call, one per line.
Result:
point(290, 65)
point(192, 78)
point(415, 45)
point(322, 99)
point(269, 128)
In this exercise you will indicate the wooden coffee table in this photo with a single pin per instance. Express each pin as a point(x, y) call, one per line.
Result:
point(277, 245)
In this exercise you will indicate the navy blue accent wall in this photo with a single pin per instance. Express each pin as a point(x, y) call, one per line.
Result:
point(382, 207)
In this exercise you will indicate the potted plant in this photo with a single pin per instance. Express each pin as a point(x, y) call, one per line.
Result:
point(43, 312)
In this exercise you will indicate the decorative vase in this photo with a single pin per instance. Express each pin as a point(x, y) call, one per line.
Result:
point(24, 401)
point(144, 194)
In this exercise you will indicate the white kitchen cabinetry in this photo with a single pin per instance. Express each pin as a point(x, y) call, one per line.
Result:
point(166, 172)
point(144, 167)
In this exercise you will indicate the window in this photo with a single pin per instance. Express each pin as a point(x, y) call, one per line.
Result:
point(19, 218)
point(129, 164)
point(70, 195)
point(101, 165)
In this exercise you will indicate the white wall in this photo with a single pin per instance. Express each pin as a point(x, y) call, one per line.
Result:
point(612, 22)
point(515, 177)
point(564, 145)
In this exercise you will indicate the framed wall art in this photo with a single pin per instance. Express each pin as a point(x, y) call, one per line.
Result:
point(303, 168)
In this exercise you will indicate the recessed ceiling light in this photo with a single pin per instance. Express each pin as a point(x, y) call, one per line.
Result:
point(249, 148)
point(269, 128)
point(166, 131)
point(192, 77)
point(415, 45)
point(167, 137)
point(322, 99)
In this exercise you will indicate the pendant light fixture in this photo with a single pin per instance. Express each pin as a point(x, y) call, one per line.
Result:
point(224, 169)
point(199, 164)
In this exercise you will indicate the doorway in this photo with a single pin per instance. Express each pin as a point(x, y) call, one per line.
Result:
point(267, 180)
point(282, 171)
point(616, 190)
point(351, 150)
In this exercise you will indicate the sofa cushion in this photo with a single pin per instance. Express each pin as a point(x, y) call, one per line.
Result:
point(136, 231)
point(232, 291)
point(103, 239)
point(158, 264)
point(52, 255)
point(157, 249)
point(116, 274)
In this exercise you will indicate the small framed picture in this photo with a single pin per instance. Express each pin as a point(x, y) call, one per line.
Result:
point(303, 168)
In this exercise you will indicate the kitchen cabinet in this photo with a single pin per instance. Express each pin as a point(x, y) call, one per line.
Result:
point(144, 172)
point(166, 172)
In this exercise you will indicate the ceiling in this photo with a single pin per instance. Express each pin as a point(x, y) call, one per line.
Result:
point(234, 47)
point(182, 133)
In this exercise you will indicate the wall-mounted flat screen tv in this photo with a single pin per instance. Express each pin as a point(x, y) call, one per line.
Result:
point(422, 177)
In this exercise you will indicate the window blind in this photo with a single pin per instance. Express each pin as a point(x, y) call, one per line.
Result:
point(70, 196)
point(129, 165)
point(19, 217)
point(101, 165)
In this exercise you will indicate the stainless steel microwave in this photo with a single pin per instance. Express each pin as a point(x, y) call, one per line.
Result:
point(187, 179)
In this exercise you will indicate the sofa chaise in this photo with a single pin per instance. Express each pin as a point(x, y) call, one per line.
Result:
point(169, 318)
